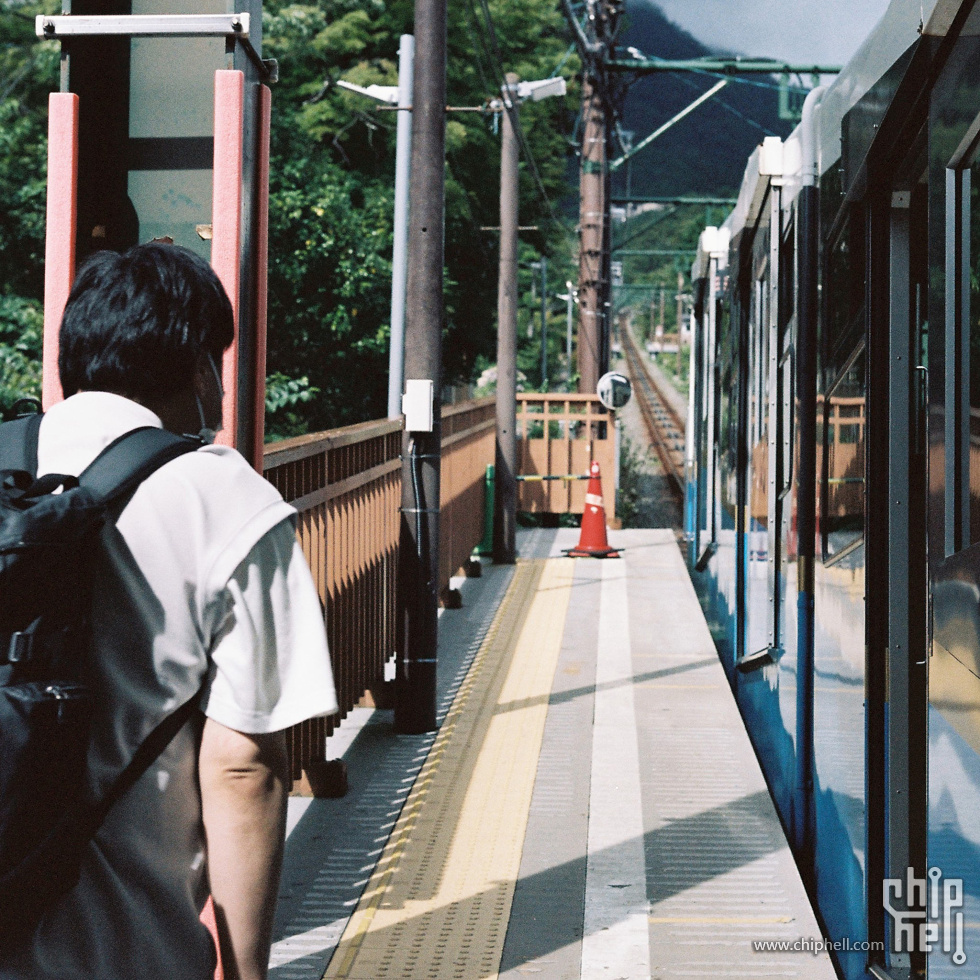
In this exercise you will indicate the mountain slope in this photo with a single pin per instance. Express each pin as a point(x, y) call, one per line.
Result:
point(706, 152)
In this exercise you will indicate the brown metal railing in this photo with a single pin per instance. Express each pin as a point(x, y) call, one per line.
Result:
point(346, 485)
point(468, 441)
point(560, 435)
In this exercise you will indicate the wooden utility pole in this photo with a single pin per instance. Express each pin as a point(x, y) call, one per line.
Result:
point(595, 43)
point(415, 707)
point(505, 480)
point(593, 242)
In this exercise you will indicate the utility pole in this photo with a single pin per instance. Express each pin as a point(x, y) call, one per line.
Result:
point(594, 39)
point(544, 322)
point(505, 488)
point(593, 242)
point(680, 305)
point(415, 707)
point(399, 261)
point(569, 299)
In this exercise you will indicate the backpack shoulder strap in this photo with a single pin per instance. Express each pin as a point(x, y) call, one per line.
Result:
point(18, 444)
point(125, 463)
point(148, 752)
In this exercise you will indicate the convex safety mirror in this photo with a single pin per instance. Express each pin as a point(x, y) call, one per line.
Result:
point(614, 390)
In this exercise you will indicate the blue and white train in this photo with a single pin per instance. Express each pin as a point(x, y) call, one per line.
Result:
point(833, 505)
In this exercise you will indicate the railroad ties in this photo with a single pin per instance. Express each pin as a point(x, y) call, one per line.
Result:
point(664, 423)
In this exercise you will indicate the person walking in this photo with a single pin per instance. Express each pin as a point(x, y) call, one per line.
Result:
point(199, 585)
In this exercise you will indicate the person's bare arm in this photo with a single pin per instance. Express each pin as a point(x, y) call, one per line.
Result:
point(243, 797)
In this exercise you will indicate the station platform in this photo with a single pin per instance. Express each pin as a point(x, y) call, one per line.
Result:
point(590, 806)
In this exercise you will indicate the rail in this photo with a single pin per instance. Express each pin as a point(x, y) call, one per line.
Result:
point(560, 435)
point(346, 486)
point(665, 426)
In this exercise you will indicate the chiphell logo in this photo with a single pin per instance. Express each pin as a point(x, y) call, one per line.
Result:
point(925, 913)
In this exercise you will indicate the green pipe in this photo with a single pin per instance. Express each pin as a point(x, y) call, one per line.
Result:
point(485, 547)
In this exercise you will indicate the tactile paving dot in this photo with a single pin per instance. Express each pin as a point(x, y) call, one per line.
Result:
point(438, 903)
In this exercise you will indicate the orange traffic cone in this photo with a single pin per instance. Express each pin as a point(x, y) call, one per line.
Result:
point(592, 542)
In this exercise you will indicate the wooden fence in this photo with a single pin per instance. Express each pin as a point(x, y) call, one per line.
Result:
point(346, 485)
point(560, 435)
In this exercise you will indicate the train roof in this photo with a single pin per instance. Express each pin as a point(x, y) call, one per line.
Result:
point(712, 243)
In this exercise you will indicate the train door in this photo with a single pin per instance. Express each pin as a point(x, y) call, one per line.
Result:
point(897, 582)
point(705, 396)
point(954, 508)
point(769, 382)
point(756, 544)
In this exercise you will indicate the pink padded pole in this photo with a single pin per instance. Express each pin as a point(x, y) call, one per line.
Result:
point(261, 271)
point(61, 226)
point(226, 222)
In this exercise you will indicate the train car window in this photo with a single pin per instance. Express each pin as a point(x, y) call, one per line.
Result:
point(963, 319)
point(728, 431)
point(831, 197)
point(787, 310)
point(971, 187)
point(787, 280)
point(844, 290)
point(787, 395)
point(759, 381)
point(843, 431)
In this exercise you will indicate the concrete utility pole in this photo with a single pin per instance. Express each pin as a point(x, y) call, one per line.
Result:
point(593, 285)
point(399, 259)
point(505, 489)
point(415, 707)
point(544, 322)
point(680, 304)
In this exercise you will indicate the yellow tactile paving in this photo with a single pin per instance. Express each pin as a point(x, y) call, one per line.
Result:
point(437, 905)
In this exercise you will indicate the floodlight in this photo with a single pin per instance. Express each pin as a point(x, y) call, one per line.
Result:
point(544, 88)
point(381, 93)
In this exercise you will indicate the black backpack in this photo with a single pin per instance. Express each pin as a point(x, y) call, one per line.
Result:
point(48, 544)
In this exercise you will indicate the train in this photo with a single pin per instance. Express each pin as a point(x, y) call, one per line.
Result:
point(832, 497)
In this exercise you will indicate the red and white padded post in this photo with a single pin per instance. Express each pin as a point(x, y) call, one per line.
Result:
point(261, 272)
point(226, 223)
point(60, 231)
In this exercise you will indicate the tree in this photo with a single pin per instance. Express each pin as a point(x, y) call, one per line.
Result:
point(28, 71)
point(331, 198)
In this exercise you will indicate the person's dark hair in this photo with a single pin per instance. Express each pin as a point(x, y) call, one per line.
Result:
point(136, 324)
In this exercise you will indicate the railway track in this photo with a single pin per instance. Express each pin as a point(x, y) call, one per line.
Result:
point(664, 424)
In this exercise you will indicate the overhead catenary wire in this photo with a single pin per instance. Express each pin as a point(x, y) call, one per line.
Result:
point(733, 77)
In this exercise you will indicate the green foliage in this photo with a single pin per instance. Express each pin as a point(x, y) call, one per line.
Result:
point(21, 332)
point(630, 491)
point(284, 398)
point(332, 189)
point(28, 71)
point(677, 367)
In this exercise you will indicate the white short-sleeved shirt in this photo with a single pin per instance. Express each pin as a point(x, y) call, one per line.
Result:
point(200, 582)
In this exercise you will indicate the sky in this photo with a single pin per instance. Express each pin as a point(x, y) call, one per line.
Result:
point(829, 31)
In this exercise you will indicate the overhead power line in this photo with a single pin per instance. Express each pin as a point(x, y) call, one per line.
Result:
point(496, 65)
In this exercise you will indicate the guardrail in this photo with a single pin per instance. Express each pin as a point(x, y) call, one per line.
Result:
point(346, 485)
point(559, 435)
